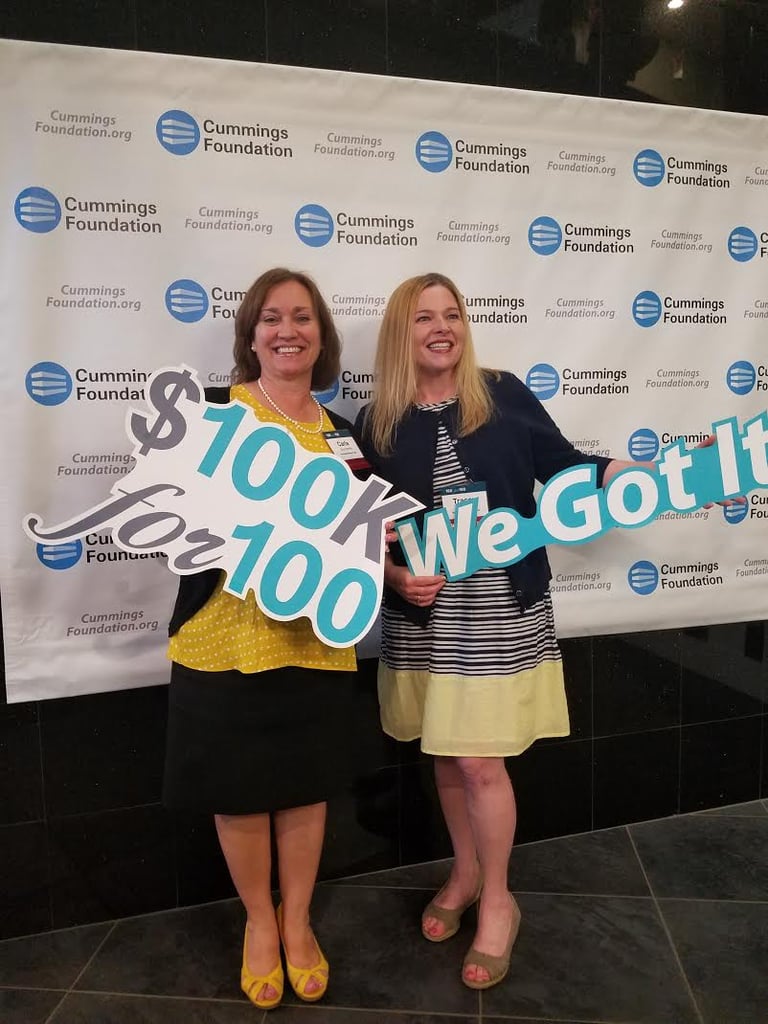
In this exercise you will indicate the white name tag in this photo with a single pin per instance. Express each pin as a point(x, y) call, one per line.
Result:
point(463, 494)
point(343, 445)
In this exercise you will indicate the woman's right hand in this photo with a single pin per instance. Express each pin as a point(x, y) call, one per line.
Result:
point(418, 590)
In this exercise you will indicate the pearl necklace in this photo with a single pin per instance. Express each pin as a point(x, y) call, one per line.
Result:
point(296, 423)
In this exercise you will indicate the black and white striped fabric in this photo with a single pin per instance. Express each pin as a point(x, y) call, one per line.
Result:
point(476, 627)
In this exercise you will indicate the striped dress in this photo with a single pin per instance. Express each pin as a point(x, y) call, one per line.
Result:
point(481, 678)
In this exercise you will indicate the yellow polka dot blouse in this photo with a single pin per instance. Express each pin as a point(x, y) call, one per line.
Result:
point(233, 633)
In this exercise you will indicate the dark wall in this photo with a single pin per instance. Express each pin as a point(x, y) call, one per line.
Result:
point(662, 722)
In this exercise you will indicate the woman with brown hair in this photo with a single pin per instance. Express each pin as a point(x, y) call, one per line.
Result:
point(260, 710)
point(472, 666)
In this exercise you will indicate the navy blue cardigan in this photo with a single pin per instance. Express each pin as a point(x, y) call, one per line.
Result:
point(195, 590)
point(520, 444)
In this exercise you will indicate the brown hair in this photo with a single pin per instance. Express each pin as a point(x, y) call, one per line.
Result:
point(247, 366)
point(395, 369)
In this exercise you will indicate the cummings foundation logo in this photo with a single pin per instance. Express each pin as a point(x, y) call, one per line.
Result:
point(643, 578)
point(543, 380)
point(650, 169)
point(545, 236)
point(643, 445)
point(434, 152)
point(646, 309)
point(60, 556)
point(48, 384)
point(51, 384)
point(741, 377)
point(742, 244)
point(186, 301)
point(37, 209)
point(178, 132)
point(314, 225)
point(734, 514)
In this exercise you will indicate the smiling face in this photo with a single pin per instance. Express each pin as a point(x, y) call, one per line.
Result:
point(438, 332)
point(286, 338)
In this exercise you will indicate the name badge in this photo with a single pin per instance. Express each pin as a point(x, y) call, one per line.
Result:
point(464, 494)
point(346, 448)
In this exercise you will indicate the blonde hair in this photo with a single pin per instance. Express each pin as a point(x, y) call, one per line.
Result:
point(395, 368)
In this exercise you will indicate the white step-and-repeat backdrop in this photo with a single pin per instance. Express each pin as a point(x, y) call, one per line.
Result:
point(612, 255)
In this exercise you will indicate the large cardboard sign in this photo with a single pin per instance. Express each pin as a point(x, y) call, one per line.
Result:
point(212, 489)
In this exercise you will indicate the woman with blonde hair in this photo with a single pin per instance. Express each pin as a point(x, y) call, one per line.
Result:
point(472, 666)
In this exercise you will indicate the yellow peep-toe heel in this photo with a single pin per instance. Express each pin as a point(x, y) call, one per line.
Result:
point(252, 984)
point(299, 976)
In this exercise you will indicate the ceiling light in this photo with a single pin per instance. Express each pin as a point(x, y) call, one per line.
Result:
point(675, 5)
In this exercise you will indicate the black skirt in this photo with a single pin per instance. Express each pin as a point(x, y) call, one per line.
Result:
point(267, 741)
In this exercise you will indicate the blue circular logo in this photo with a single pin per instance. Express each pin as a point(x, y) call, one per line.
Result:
point(545, 236)
point(741, 377)
point(178, 132)
point(37, 210)
point(329, 394)
point(314, 225)
point(434, 152)
point(543, 380)
point(186, 301)
point(60, 556)
point(734, 514)
point(648, 168)
point(742, 244)
point(48, 383)
point(646, 309)
point(643, 577)
point(643, 445)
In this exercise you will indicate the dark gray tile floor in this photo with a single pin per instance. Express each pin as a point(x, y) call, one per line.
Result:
point(663, 922)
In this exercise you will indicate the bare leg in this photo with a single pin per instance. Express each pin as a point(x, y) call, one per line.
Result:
point(299, 832)
point(492, 814)
point(245, 843)
point(463, 879)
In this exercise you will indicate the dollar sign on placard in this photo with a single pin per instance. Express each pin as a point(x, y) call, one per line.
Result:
point(169, 427)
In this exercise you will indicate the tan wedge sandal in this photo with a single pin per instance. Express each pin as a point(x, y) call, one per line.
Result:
point(496, 966)
point(450, 919)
